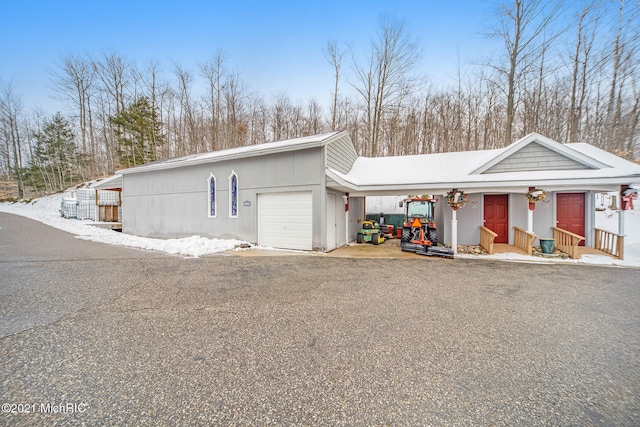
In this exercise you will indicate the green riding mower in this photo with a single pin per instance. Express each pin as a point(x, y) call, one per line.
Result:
point(370, 232)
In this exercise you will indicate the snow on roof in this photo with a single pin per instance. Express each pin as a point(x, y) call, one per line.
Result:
point(604, 157)
point(443, 171)
point(239, 152)
point(440, 167)
point(110, 183)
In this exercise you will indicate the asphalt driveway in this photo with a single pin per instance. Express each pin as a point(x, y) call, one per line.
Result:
point(94, 334)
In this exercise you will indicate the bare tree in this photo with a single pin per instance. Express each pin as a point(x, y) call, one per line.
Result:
point(214, 72)
point(624, 64)
point(281, 117)
point(189, 138)
point(150, 84)
point(258, 120)
point(74, 81)
point(634, 119)
point(334, 56)
point(585, 36)
point(386, 79)
point(10, 111)
point(314, 119)
point(591, 95)
point(113, 72)
point(114, 75)
point(521, 26)
point(235, 135)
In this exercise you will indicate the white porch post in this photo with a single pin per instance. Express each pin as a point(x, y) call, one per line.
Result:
point(454, 231)
point(532, 206)
point(346, 227)
point(626, 202)
point(621, 212)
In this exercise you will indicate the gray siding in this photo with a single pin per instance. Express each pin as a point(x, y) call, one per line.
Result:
point(543, 217)
point(356, 216)
point(335, 221)
point(341, 155)
point(469, 220)
point(471, 216)
point(173, 203)
point(535, 157)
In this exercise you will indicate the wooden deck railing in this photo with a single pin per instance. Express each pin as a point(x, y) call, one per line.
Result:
point(610, 243)
point(567, 241)
point(486, 239)
point(523, 240)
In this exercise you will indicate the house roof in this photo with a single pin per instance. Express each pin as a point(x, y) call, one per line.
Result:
point(113, 182)
point(558, 166)
point(471, 171)
point(239, 152)
point(547, 144)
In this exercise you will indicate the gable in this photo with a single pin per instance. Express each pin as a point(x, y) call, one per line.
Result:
point(341, 155)
point(535, 157)
point(535, 152)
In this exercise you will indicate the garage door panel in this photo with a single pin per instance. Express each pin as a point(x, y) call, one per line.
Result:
point(285, 220)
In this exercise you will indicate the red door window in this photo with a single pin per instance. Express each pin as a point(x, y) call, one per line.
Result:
point(496, 216)
point(570, 213)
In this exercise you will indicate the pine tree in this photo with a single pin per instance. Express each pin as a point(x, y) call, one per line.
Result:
point(56, 161)
point(139, 133)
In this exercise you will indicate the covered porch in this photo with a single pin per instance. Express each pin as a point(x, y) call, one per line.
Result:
point(504, 248)
point(534, 189)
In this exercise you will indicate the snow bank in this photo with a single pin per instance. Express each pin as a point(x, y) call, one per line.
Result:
point(47, 211)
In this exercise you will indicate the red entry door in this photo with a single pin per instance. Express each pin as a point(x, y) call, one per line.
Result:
point(570, 213)
point(496, 216)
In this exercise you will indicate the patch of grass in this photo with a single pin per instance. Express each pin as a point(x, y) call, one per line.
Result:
point(14, 200)
point(9, 200)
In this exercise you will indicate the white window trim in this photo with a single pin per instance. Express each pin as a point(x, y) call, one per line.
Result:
point(231, 215)
point(215, 196)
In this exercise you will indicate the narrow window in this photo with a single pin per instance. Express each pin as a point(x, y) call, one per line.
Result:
point(233, 195)
point(212, 196)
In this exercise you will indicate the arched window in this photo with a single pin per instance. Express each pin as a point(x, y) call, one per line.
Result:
point(233, 195)
point(212, 196)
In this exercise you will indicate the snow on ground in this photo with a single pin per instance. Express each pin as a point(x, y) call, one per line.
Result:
point(605, 220)
point(609, 220)
point(46, 210)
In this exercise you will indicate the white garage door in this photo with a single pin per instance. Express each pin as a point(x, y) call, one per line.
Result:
point(285, 220)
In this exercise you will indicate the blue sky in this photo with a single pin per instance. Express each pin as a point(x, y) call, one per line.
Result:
point(276, 46)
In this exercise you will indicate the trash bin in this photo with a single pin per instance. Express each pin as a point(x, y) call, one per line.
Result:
point(547, 245)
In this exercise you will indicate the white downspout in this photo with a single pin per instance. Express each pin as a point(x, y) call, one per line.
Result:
point(346, 219)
